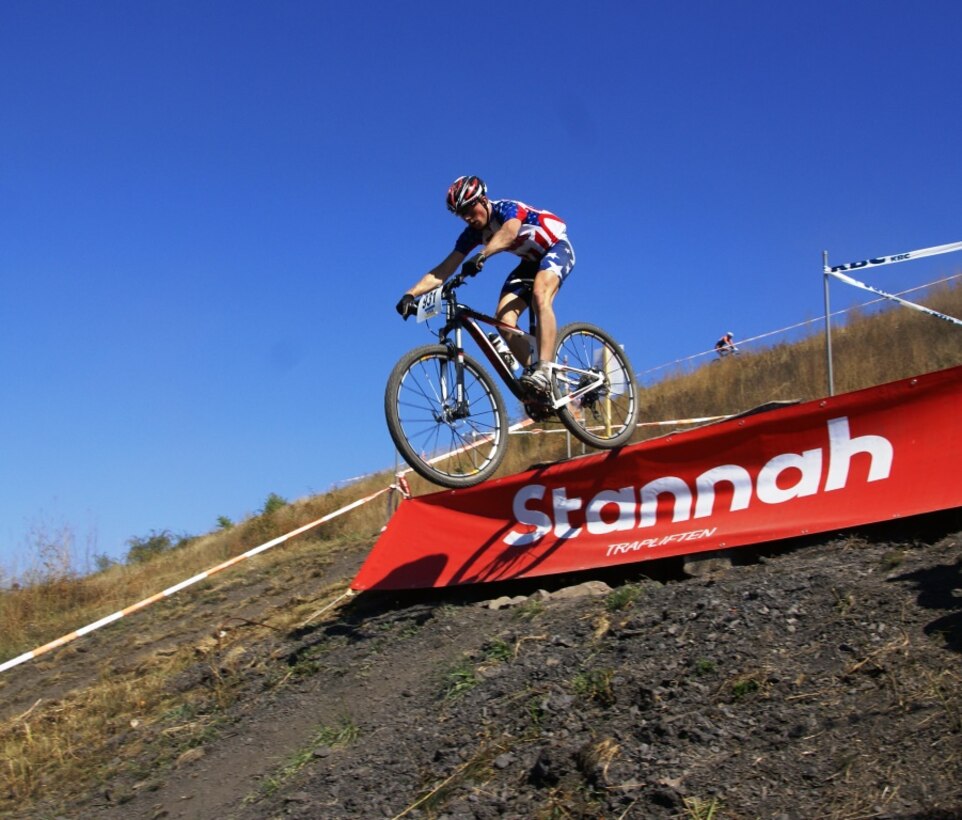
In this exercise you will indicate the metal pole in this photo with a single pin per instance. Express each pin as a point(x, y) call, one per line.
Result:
point(606, 367)
point(392, 500)
point(828, 327)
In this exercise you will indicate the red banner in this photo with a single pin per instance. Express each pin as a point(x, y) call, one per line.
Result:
point(872, 455)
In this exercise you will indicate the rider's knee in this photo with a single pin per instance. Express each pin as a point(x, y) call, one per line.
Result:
point(542, 296)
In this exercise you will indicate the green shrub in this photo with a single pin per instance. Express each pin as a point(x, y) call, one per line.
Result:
point(273, 503)
point(144, 549)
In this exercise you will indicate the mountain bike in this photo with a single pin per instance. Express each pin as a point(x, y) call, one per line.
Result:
point(448, 418)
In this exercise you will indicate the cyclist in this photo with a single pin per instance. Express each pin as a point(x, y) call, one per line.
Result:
point(725, 346)
point(538, 237)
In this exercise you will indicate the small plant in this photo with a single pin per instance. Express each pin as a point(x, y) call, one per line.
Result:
point(462, 678)
point(623, 598)
point(844, 602)
point(224, 523)
point(536, 711)
point(498, 651)
point(698, 809)
point(529, 610)
point(744, 687)
point(595, 684)
point(333, 736)
point(704, 666)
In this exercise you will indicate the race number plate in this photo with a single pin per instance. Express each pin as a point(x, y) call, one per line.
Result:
point(429, 305)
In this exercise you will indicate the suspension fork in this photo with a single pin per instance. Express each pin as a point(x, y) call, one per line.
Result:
point(455, 347)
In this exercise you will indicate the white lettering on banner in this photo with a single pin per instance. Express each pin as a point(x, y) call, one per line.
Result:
point(630, 508)
point(651, 543)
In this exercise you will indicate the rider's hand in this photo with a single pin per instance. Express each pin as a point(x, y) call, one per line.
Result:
point(473, 266)
point(407, 306)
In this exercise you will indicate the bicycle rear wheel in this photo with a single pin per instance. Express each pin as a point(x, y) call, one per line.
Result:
point(606, 416)
point(450, 443)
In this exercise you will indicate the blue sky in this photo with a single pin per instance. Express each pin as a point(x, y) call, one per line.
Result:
point(209, 209)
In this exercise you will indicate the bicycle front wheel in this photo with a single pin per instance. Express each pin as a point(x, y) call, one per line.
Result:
point(454, 441)
point(604, 416)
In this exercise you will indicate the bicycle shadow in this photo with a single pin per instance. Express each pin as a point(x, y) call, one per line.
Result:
point(940, 588)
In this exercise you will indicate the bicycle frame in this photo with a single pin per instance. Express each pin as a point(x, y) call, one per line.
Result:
point(460, 317)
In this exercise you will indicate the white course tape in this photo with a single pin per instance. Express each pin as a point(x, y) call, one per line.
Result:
point(26, 656)
point(816, 320)
point(921, 308)
point(514, 428)
point(669, 423)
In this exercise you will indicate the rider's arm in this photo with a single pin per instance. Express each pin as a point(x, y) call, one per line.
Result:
point(437, 275)
point(504, 238)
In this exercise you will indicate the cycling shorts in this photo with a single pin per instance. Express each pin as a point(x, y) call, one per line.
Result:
point(559, 260)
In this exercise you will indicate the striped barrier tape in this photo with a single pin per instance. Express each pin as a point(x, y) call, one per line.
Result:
point(669, 423)
point(116, 616)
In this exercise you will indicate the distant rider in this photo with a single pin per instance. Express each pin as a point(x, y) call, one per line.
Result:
point(725, 346)
point(538, 237)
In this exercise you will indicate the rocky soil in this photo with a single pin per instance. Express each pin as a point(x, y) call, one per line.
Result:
point(815, 679)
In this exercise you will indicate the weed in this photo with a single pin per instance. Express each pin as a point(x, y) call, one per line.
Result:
point(565, 803)
point(343, 734)
point(744, 687)
point(305, 667)
point(704, 666)
point(844, 602)
point(498, 651)
point(623, 598)
point(595, 684)
point(529, 610)
point(536, 711)
point(698, 809)
point(331, 736)
point(461, 679)
point(476, 769)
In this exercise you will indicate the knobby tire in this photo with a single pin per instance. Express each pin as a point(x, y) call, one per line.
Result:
point(419, 418)
point(609, 416)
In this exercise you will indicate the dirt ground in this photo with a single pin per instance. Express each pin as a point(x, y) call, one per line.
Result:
point(816, 679)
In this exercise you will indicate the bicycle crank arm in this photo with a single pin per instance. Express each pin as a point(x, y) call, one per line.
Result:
point(580, 391)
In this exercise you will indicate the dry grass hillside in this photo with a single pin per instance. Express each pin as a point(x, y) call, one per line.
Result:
point(63, 713)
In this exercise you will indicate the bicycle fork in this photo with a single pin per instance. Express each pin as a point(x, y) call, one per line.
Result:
point(453, 408)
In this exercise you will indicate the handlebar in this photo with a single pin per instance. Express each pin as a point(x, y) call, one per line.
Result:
point(454, 283)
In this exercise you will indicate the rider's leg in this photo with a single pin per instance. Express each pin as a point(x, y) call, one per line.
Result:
point(537, 379)
point(553, 269)
point(510, 308)
point(546, 285)
point(554, 266)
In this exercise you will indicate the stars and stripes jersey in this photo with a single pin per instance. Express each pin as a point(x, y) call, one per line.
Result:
point(539, 230)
